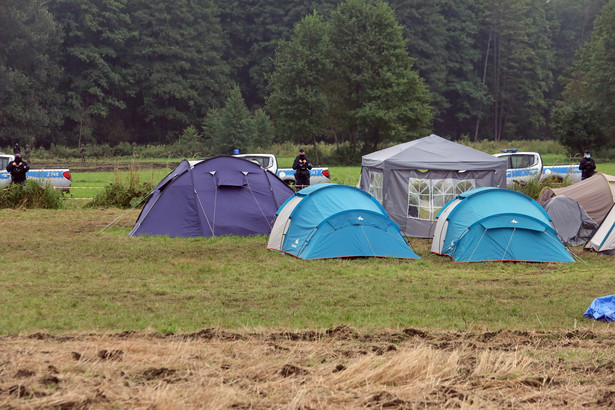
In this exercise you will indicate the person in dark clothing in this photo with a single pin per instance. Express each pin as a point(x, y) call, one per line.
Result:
point(587, 166)
point(18, 169)
point(302, 166)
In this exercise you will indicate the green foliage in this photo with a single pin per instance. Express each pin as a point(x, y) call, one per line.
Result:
point(577, 126)
point(189, 135)
point(591, 90)
point(176, 61)
point(123, 149)
point(442, 37)
point(383, 98)
point(191, 143)
point(534, 186)
point(254, 30)
point(351, 77)
point(123, 193)
point(230, 127)
point(95, 33)
point(140, 71)
point(30, 195)
point(518, 58)
point(30, 72)
point(303, 75)
point(343, 154)
point(264, 132)
point(571, 24)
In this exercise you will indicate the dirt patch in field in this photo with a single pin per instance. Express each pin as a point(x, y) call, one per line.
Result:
point(340, 367)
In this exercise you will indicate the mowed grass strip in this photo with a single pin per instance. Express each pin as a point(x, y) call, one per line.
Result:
point(89, 184)
point(61, 273)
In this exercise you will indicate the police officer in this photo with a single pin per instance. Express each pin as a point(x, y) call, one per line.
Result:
point(18, 169)
point(587, 166)
point(302, 166)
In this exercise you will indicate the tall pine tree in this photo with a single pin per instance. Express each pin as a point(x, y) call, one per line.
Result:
point(303, 73)
point(383, 98)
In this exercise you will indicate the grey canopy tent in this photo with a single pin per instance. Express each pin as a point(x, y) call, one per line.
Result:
point(414, 180)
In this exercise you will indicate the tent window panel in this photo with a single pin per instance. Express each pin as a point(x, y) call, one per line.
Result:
point(419, 198)
point(375, 187)
point(463, 186)
point(427, 196)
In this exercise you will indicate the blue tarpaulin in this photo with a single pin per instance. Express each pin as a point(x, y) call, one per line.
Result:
point(602, 309)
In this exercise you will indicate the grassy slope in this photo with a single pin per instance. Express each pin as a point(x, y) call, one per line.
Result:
point(64, 274)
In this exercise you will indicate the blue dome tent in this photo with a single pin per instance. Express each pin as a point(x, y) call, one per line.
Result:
point(213, 197)
point(336, 221)
point(495, 224)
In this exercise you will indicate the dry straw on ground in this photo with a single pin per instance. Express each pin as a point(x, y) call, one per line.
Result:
point(337, 368)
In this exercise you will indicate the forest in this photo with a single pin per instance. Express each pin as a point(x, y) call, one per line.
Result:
point(358, 73)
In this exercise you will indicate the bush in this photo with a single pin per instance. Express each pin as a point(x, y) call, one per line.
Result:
point(123, 149)
point(30, 195)
point(343, 155)
point(123, 194)
point(534, 186)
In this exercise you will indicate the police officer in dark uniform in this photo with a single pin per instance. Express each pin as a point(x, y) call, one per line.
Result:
point(18, 169)
point(302, 166)
point(587, 166)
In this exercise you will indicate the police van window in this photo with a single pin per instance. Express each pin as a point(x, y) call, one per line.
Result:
point(266, 162)
point(521, 161)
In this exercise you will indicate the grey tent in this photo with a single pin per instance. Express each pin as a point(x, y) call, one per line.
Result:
point(414, 180)
point(571, 222)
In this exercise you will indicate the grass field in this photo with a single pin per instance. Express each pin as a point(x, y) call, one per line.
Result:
point(78, 271)
point(91, 318)
point(94, 319)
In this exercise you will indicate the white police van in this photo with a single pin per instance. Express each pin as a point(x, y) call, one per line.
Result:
point(523, 166)
point(58, 178)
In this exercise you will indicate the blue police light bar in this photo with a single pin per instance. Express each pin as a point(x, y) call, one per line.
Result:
point(510, 150)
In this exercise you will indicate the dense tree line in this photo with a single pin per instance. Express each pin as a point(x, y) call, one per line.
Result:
point(357, 71)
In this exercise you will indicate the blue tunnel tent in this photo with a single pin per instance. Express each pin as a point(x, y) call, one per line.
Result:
point(336, 221)
point(496, 224)
point(213, 197)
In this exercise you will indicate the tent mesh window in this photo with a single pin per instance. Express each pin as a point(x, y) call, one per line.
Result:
point(427, 196)
point(375, 187)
